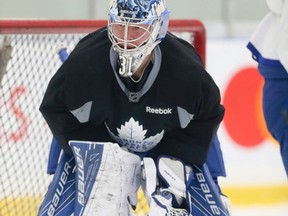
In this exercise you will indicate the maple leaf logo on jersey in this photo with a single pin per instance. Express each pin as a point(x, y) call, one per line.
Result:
point(132, 136)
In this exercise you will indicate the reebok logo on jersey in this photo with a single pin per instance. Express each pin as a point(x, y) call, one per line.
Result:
point(159, 110)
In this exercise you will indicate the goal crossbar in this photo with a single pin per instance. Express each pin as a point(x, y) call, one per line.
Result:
point(192, 26)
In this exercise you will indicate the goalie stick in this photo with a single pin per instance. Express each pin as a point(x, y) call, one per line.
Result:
point(55, 148)
point(60, 196)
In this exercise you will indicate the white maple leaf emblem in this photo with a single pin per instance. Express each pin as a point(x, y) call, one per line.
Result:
point(132, 135)
point(132, 130)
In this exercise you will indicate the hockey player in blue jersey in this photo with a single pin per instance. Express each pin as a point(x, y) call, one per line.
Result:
point(269, 46)
point(128, 92)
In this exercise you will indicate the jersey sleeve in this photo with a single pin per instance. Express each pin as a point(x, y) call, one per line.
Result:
point(192, 143)
point(61, 121)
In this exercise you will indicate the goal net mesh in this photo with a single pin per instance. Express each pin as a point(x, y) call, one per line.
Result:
point(28, 60)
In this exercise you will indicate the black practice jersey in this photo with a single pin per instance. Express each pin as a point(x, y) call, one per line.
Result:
point(176, 111)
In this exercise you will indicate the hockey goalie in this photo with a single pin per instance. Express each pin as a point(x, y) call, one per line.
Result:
point(133, 107)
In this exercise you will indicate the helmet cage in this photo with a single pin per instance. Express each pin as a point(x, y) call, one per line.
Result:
point(153, 26)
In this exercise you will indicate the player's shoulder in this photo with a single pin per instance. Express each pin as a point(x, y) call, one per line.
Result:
point(90, 56)
point(93, 43)
point(91, 49)
point(184, 66)
point(98, 35)
point(181, 48)
point(181, 57)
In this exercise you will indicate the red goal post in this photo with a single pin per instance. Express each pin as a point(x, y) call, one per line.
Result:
point(27, 62)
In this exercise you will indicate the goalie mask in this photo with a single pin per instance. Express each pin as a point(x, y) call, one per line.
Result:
point(135, 28)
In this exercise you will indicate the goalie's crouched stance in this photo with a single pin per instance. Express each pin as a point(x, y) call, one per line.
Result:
point(106, 178)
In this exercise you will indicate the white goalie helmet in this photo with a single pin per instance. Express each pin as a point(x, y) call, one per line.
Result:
point(135, 28)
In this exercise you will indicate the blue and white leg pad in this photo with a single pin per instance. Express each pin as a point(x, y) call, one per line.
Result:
point(106, 181)
point(202, 194)
point(107, 177)
point(60, 197)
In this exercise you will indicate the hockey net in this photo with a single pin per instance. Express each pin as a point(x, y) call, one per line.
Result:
point(27, 62)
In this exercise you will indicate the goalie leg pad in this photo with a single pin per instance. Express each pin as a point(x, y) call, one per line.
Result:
point(59, 199)
point(107, 179)
point(202, 195)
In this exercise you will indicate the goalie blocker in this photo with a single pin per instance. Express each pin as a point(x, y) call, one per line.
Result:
point(183, 190)
point(107, 178)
